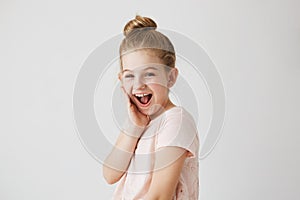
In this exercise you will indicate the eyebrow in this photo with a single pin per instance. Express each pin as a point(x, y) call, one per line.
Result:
point(154, 68)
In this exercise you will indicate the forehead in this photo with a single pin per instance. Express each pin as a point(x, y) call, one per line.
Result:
point(140, 60)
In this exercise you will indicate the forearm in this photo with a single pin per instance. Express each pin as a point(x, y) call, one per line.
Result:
point(156, 197)
point(117, 162)
point(152, 195)
point(169, 162)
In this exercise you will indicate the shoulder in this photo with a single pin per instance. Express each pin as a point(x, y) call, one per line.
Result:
point(178, 129)
point(178, 116)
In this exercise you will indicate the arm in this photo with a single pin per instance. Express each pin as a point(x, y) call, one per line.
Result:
point(168, 164)
point(117, 162)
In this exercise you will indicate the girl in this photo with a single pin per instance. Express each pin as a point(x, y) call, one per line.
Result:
point(155, 155)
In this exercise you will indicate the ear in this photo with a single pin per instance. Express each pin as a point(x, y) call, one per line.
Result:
point(120, 76)
point(172, 77)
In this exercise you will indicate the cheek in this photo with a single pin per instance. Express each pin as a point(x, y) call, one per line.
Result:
point(127, 86)
point(160, 90)
point(157, 82)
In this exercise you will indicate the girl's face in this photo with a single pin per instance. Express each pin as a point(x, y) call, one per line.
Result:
point(146, 81)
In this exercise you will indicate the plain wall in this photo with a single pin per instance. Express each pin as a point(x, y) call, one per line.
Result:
point(255, 45)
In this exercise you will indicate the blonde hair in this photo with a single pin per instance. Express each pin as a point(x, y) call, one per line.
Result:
point(141, 34)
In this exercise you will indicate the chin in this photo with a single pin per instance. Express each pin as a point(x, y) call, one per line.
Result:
point(145, 111)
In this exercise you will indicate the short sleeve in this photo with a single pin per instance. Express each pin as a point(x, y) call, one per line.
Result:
point(178, 129)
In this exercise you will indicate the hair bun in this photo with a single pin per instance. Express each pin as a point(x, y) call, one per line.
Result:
point(137, 23)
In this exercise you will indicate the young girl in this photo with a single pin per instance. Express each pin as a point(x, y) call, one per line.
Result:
point(156, 153)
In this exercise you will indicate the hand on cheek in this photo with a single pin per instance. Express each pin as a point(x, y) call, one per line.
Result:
point(136, 121)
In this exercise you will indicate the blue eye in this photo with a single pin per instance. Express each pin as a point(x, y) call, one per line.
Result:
point(129, 76)
point(150, 74)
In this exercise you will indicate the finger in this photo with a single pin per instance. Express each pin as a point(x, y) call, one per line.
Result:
point(127, 98)
point(123, 90)
point(131, 105)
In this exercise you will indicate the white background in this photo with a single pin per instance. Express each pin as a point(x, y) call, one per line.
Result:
point(254, 44)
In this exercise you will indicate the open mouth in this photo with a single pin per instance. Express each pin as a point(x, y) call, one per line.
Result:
point(144, 99)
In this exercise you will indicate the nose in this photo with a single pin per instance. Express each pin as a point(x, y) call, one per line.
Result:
point(138, 83)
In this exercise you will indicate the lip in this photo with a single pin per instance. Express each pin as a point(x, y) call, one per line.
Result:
point(140, 104)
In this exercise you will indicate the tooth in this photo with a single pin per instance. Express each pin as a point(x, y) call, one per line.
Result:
point(138, 95)
point(141, 95)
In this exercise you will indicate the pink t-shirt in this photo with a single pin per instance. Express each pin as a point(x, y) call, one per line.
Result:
point(175, 127)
